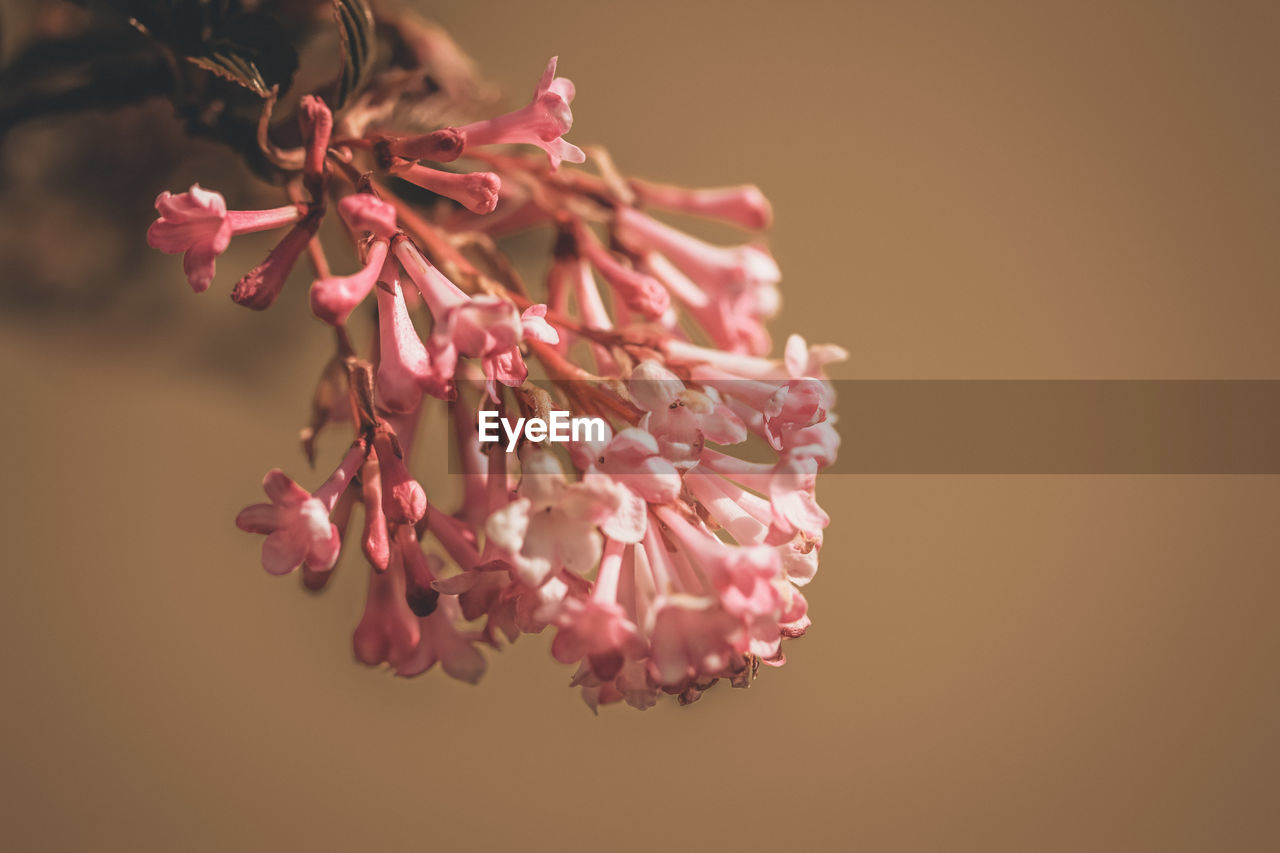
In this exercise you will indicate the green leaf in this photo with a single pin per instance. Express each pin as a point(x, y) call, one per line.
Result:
point(359, 45)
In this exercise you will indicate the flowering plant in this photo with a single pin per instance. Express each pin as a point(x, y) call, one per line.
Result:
point(661, 560)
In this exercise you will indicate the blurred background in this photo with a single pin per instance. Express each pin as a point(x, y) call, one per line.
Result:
point(987, 190)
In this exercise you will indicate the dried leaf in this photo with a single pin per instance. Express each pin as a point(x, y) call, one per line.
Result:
point(237, 69)
point(359, 45)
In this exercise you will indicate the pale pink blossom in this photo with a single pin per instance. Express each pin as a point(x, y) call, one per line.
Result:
point(731, 289)
point(534, 325)
point(690, 637)
point(800, 360)
point(679, 417)
point(745, 206)
point(597, 628)
point(790, 486)
point(633, 458)
point(771, 409)
point(552, 524)
point(726, 269)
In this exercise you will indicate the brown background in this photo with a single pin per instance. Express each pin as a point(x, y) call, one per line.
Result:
point(1045, 190)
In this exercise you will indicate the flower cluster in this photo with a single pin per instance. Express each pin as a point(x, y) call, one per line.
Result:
point(661, 560)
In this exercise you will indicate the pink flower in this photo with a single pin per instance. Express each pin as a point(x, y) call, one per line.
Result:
point(440, 641)
point(790, 485)
point(642, 293)
point(334, 298)
point(681, 418)
point(731, 290)
point(598, 628)
point(745, 206)
point(198, 224)
point(661, 562)
point(820, 442)
point(259, 287)
point(483, 327)
point(405, 370)
point(375, 539)
point(551, 525)
point(534, 325)
point(402, 497)
point(803, 360)
point(476, 191)
point(440, 146)
point(542, 123)
point(317, 126)
point(633, 458)
point(800, 359)
point(297, 523)
point(773, 410)
point(721, 269)
point(420, 572)
point(388, 631)
point(691, 637)
point(599, 631)
point(741, 567)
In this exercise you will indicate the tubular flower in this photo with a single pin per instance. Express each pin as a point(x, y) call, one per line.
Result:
point(296, 522)
point(333, 298)
point(198, 224)
point(660, 558)
point(476, 191)
point(743, 206)
point(542, 122)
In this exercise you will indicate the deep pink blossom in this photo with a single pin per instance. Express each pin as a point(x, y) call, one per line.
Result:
point(198, 224)
point(642, 293)
point(388, 631)
point(441, 641)
point(259, 287)
point(476, 191)
point(543, 122)
point(317, 126)
point(334, 298)
point(296, 522)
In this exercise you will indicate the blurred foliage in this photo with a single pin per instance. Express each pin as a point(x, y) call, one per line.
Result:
point(102, 101)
